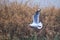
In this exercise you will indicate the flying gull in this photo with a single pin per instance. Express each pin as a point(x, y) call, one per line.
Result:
point(36, 23)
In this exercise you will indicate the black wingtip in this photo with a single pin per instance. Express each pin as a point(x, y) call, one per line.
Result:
point(38, 11)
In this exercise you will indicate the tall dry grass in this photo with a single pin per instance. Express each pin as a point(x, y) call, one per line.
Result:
point(15, 20)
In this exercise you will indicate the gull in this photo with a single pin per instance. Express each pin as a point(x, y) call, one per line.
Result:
point(36, 23)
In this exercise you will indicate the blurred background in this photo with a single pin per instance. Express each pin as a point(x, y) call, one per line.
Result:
point(16, 15)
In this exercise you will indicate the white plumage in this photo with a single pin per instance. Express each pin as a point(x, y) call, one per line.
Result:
point(36, 23)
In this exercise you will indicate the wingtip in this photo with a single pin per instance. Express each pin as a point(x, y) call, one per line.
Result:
point(39, 10)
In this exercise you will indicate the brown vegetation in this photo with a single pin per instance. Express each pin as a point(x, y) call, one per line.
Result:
point(15, 20)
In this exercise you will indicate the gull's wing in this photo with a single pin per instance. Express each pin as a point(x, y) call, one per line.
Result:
point(36, 17)
point(33, 19)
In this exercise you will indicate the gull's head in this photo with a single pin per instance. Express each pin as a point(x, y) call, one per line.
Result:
point(40, 25)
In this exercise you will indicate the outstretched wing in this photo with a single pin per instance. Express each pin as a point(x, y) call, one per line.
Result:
point(36, 17)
